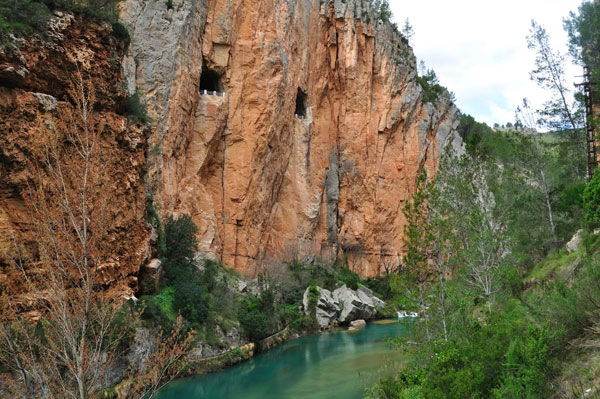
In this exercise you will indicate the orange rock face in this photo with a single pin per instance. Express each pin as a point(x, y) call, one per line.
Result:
point(260, 182)
point(34, 78)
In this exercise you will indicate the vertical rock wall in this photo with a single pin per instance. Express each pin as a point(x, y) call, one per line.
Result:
point(258, 181)
point(35, 76)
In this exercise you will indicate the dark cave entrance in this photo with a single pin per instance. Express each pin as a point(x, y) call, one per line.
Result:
point(300, 111)
point(210, 82)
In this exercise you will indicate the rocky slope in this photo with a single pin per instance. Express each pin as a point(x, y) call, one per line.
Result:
point(35, 76)
point(260, 182)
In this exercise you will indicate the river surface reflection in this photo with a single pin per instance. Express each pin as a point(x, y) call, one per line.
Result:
point(332, 365)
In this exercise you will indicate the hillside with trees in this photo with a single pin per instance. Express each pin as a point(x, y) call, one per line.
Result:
point(508, 236)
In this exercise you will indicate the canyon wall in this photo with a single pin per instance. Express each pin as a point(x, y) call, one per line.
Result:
point(260, 181)
point(35, 76)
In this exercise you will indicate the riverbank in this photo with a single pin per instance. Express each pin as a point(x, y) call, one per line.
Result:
point(203, 365)
point(244, 317)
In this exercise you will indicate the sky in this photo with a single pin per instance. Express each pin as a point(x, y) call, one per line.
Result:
point(478, 49)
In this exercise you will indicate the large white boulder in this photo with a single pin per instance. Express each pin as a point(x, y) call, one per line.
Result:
point(343, 305)
point(327, 309)
point(575, 242)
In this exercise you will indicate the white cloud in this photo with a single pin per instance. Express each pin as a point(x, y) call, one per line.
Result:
point(479, 51)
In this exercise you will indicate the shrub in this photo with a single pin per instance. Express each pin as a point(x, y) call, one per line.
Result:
point(209, 276)
point(527, 365)
point(120, 32)
point(180, 238)
point(191, 300)
point(385, 13)
point(313, 298)
point(254, 320)
point(158, 309)
point(23, 17)
point(349, 278)
point(136, 110)
point(257, 316)
point(591, 201)
point(431, 88)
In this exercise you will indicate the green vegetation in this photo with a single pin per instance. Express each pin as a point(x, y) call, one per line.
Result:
point(135, 109)
point(508, 339)
point(24, 17)
point(507, 312)
point(257, 315)
point(430, 85)
point(382, 8)
point(205, 292)
point(591, 201)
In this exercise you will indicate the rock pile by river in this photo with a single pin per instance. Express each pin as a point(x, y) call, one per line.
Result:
point(343, 305)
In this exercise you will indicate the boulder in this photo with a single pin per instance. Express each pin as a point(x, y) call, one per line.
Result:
point(47, 102)
point(242, 285)
point(575, 242)
point(378, 303)
point(344, 305)
point(358, 323)
point(327, 308)
point(359, 304)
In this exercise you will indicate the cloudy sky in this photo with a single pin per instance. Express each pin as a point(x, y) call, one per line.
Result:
point(479, 51)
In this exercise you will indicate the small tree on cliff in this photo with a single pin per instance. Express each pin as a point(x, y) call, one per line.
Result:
point(66, 355)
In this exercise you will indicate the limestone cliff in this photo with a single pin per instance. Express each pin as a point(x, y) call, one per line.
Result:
point(314, 146)
point(35, 75)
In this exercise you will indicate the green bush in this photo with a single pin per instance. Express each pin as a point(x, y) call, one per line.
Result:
point(180, 238)
point(120, 32)
point(191, 300)
point(431, 87)
point(136, 110)
point(295, 320)
point(591, 201)
point(23, 17)
point(526, 368)
point(159, 309)
point(385, 12)
point(209, 275)
point(254, 321)
point(257, 316)
point(348, 277)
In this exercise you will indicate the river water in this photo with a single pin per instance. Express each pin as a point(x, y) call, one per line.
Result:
point(333, 365)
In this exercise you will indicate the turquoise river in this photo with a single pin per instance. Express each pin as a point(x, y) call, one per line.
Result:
point(332, 365)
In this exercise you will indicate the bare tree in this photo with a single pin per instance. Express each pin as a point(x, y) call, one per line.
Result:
point(66, 354)
point(526, 116)
point(67, 203)
point(163, 364)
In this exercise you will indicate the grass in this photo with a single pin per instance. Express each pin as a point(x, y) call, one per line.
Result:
point(164, 300)
point(580, 372)
point(559, 264)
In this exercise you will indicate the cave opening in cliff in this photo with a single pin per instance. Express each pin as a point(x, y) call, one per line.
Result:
point(300, 111)
point(210, 82)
